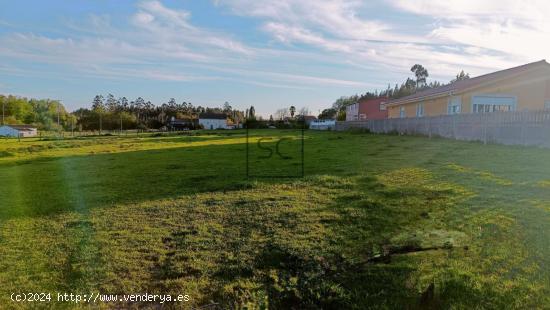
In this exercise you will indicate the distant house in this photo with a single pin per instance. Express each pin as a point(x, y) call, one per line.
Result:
point(213, 121)
point(182, 124)
point(322, 124)
point(22, 131)
point(367, 109)
point(308, 119)
point(520, 88)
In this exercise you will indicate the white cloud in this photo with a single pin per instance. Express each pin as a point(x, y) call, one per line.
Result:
point(163, 43)
point(462, 34)
point(337, 17)
point(462, 9)
point(169, 28)
point(514, 28)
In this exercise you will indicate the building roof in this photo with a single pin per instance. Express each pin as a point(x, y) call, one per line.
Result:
point(22, 127)
point(461, 86)
point(309, 117)
point(212, 116)
point(181, 121)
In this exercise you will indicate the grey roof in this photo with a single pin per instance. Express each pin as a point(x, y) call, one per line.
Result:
point(22, 127)
point(212, 116)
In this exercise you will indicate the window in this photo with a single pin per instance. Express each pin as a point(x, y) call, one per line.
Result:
point(402, 112)
point(487, 108)
point(493, 103)
point(454, 106)
point(420, 110)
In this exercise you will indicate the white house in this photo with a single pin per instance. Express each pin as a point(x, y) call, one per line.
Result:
point(18, 131)
point(322, 124)
point(352, 112)
point(213, 121)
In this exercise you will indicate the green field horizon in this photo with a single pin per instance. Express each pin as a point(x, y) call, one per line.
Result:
point(378, 221)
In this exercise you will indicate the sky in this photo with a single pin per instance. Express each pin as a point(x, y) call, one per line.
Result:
point(266, 53)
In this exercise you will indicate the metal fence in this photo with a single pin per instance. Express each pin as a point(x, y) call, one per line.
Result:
point(522, 128)
point(58, 135)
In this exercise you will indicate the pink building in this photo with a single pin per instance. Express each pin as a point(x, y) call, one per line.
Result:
point(367, 109)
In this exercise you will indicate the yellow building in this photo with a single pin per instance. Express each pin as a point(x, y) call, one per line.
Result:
point(521, 88)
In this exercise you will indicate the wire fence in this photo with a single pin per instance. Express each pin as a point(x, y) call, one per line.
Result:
point(512, 128)
point(43, 135)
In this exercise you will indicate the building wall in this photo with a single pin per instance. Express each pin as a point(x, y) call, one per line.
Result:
point(532, 90)
point(30, 133)
point(213, 123)
point(323, 125)
point(7, 131)
point(370, 108)
point(352, 112)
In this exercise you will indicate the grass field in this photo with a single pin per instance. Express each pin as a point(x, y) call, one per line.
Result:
point(377, 222)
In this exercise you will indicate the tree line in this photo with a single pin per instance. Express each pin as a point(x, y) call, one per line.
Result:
point(408, 87)
point(45, 114)
point(113, 113)
point(107, 113)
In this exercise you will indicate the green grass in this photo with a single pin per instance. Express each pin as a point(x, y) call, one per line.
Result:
point(378, 221)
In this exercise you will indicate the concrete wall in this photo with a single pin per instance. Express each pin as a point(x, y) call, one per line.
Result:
point(521, 128)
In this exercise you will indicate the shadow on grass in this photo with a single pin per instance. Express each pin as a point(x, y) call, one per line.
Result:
point(46, 186)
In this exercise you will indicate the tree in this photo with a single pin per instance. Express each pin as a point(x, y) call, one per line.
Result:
point(99, 108)
point(461, 76)
point(421, 75)
point(329, 113)
point(97, 103)
point(123, 102)
point(3, 108)
point(252, 113)
point(292, 111)
point(341, 103)
point(111, 103)
point(227, 108)
point(281, 114)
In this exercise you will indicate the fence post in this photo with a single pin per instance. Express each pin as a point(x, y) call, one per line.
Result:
point(522, 122)
point(484, 124)
point(453, 118)
point(429, 127)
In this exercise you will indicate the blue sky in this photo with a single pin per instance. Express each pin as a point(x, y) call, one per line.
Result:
point(270, 53)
